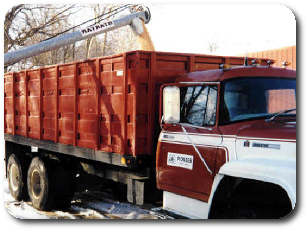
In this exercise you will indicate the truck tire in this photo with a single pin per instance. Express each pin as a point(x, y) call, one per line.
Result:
point(49, 185)
point(39, 185)
point(16, 173)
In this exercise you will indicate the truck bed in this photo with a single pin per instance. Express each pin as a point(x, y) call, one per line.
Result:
point(98, 106)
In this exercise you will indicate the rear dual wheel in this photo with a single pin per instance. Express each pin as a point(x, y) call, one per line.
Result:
point(38, 185)
point(17, 177)
point(48, 184)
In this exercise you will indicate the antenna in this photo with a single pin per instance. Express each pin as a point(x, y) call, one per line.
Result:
point(246, 60)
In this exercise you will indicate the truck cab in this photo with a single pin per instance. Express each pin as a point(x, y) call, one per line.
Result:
point(227, 148)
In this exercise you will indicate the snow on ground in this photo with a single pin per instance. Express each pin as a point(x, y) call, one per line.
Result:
point(18, 209)
point(85, 205)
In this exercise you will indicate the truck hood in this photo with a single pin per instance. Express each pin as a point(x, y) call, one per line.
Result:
point(276, 139)
point(278, 129)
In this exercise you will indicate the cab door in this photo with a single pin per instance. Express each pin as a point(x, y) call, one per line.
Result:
point(187, 151)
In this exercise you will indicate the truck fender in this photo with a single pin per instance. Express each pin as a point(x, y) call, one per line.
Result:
point(279, 172)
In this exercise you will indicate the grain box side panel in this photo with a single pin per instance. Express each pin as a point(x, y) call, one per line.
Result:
point(206, 63)
point(20, 103)
point(112, 105)
point(66, 93)
point(137, 103)
point(143, 110)
point(117, 118)
point(131, 103)
point(49, 103)
point(33, 94)
point(87, 104)
point(8, 104)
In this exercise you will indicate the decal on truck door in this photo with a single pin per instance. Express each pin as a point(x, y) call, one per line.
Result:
point(180, 160)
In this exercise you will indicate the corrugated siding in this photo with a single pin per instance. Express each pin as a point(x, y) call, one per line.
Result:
point(280, 55)
point(279, 100)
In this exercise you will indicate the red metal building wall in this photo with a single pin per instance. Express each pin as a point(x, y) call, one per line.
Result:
point(280, 55)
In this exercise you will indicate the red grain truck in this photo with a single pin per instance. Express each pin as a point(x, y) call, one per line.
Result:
point(219, 141)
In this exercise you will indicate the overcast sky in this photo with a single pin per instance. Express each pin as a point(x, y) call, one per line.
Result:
point(236, 28)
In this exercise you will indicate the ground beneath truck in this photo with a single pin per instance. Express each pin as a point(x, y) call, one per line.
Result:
point(87, 205)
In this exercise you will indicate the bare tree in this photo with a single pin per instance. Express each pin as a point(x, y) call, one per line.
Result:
point(62, 54)
point(20, 26)
point(213, 42)
point(30, 24)
point(213, 46)
point(97, 12)
point(26, 24)
point(100, 12)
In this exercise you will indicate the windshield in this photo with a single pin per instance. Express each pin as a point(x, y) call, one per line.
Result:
point(250, 98)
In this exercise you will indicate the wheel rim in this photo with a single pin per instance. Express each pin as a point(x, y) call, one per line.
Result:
point(14, 177)
point(36, 184)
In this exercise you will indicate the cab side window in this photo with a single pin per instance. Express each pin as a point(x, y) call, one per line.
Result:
point(198, 105)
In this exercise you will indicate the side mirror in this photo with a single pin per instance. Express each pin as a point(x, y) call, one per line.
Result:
point(171, 104)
